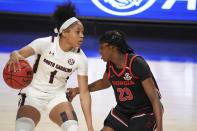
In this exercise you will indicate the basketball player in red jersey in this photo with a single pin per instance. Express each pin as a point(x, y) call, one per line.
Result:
point(57, 58)
point(137, 95)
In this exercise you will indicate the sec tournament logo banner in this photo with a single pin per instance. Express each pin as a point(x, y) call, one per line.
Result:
point(123, 7)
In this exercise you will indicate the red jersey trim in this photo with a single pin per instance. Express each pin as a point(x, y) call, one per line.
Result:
point(130, 67)
point(52, 39)
point(125, 65)
point(143, 114)
point(112, 113)
point(108, 76)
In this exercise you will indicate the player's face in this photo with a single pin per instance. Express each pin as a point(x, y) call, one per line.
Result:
point(106, 51)
point(75, 35)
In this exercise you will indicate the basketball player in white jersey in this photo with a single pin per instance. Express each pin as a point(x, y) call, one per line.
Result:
point(57, 58)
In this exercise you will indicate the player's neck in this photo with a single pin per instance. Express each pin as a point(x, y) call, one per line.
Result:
point(64, 45)
point(119, 60)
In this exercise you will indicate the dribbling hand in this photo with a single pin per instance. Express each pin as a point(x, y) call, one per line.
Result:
point(14, 59)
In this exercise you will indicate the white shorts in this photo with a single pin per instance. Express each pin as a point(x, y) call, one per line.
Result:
point(43, 101)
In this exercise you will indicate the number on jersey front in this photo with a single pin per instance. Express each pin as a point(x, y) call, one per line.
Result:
point(52, 76)
point(125, 94)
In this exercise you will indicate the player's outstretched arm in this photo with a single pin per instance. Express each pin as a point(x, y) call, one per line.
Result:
point(100, 84)
point(95, 86)
point(85, 100)
point(17, 55)
point(154, 98)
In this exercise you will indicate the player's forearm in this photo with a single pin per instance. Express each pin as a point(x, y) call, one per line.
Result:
point(158, 114)
point(153, 97)
point(85, 100)
point(26, 51)
point(97, 85)
point(23, 52)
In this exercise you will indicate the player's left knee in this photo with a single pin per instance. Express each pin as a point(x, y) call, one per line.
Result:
point(70, 125)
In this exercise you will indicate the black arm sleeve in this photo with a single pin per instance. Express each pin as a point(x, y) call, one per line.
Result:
point(140, 68)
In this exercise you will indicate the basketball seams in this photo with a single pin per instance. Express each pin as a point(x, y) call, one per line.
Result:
point(18, 76)
point(11, 80)
point(15, 81)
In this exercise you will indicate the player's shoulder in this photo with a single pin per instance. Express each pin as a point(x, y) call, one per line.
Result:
point(44, 39)
point(135, 57)
point(40, 44)
point(80, 56)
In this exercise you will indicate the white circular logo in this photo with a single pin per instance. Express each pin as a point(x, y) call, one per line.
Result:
point(123, 7)
point(71, 61)
point(127, 77)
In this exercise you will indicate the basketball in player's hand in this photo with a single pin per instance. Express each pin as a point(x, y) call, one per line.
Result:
point(19, 79)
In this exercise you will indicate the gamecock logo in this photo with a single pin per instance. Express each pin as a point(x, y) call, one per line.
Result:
point(123, 7)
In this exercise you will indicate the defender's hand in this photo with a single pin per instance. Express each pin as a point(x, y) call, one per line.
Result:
point(72, 92)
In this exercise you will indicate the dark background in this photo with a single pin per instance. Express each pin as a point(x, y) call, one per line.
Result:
point(157, 40)
point(154, 29)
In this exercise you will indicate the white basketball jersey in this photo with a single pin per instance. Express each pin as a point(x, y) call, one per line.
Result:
point(53, 66)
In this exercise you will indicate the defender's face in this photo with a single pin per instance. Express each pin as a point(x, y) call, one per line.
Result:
point(105, 51)
point(75, 35)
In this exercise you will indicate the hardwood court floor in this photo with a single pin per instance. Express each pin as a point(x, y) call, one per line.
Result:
point(177, 82)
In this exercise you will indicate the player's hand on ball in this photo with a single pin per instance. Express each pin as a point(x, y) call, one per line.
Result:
point(14, 59)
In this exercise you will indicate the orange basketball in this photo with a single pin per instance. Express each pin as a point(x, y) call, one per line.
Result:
point(19, 79)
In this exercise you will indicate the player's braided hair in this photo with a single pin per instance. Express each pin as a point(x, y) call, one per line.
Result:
point(116, 38)
point(62, 13)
